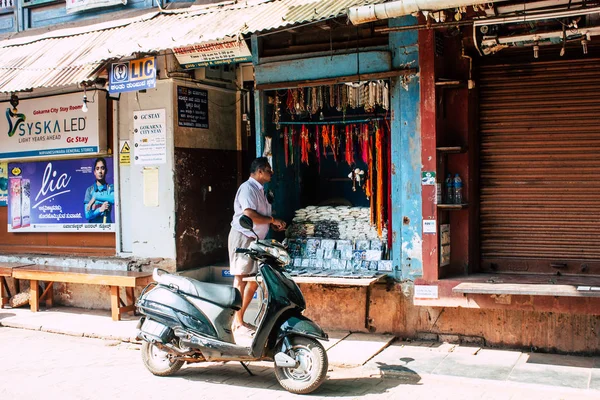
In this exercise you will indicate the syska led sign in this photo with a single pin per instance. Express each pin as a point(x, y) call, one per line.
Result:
point(129, 76)
point(54, 126)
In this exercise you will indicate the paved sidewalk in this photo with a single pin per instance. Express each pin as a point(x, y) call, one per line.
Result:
point(373, 354)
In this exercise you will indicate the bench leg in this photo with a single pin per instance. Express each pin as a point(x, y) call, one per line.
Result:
point(130, 298)
point(115, 303)
point(4, 292)
point(34, 296)
point(48, 294)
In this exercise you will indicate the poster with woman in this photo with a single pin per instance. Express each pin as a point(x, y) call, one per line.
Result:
point(3, 184)
point(61, 196)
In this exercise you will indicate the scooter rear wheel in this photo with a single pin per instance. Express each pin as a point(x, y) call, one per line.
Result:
point(311, 371)
point(158, 361)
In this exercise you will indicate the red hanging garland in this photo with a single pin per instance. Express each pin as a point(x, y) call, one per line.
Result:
point(304, 145)
point(364, 142)
point(317, 147)
point(349, 146)
point(325, 139)
point(380, 200)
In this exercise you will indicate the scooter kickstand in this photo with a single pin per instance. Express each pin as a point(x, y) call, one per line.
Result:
point(246, 368)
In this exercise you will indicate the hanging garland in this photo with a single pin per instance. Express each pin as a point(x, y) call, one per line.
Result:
point(317, 147)
point(349, 153)
point(370, 136)
point(363, 140)
point(293, 142)
point(335, 142)
point(380, 163)
point(325, 139)
point(304, 145)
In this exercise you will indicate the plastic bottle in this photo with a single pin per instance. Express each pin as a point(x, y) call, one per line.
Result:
point(458, 186)
point(449, 190)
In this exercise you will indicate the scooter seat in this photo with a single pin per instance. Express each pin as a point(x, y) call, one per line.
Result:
point(224, 296)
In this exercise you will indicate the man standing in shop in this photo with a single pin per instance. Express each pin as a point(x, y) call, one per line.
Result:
point(250, 200)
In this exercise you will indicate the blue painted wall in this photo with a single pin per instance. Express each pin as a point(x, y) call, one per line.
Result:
point(407, 218)
point(7, 22)
point(323, 67)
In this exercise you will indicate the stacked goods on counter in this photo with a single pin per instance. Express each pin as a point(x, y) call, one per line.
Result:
point(336, 241)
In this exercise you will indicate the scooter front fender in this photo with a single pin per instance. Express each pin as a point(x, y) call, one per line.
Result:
point(302, 326)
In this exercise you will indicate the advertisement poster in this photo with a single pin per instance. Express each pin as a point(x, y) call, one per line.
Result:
point(150, 137)
point(61, 196)
point(53, 126)
point(3, 184)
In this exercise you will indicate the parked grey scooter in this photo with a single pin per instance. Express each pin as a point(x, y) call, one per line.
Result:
point(185, 320)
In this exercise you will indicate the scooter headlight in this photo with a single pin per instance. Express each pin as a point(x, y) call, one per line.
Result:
point(282, 256)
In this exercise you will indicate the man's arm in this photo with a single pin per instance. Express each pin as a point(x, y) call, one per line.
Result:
point(263, 219)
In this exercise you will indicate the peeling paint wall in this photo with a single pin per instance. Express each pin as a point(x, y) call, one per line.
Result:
point(336, 307)
point(406, 154)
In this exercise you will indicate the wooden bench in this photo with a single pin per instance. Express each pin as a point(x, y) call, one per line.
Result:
point(6, 270)
point(115, 279)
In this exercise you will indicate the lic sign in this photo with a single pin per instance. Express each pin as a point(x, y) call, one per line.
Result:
point(129, 76)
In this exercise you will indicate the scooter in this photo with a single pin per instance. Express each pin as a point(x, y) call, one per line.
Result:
point(185, 320)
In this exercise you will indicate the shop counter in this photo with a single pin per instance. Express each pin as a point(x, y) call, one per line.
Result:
point(323, 280)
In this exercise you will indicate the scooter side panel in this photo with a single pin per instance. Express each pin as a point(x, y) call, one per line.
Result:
point(175, 310)
point(221, 317)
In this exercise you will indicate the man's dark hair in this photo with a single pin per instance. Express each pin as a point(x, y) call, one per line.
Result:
point(260, 163)
point(103, 161)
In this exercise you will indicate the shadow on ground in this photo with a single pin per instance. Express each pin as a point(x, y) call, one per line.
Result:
point(559, 360)
point(339, 382)
point(6, 315)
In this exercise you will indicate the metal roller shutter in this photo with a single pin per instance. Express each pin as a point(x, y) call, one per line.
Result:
point(540, 167)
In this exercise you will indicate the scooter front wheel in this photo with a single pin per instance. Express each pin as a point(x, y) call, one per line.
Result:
point(311, 370)
point(158, 361)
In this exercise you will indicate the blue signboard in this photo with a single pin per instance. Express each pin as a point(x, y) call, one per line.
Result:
point(61, 196)
point(129, 76)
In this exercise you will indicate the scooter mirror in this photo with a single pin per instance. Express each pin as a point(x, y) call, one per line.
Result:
point(246, 222)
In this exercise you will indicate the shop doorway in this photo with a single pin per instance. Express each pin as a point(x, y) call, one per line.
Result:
point(329, 146)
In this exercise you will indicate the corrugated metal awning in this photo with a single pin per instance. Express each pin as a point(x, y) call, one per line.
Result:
point(70, 56)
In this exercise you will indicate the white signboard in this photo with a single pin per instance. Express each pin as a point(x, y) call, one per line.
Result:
point(150, 137)
point(53, 126)
point(426, 292)
point(213, 53)
point(429, 226)
point(82, 5)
